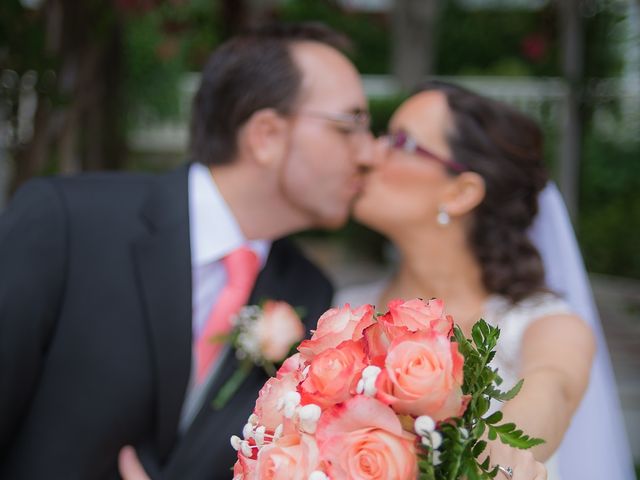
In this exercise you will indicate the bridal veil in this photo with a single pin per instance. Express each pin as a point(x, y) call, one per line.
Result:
point(596, 445)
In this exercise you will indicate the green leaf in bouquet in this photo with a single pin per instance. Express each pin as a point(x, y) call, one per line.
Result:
point(484, 336)
point(425, 469)
point(479, 447)
point(478, 338)
point(478, 430)
point(494, 418)
point(482, 405)
point(512, 436)
point(508, 395)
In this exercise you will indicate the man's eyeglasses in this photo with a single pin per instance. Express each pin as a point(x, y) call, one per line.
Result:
point(359, 122)
point(402, 141)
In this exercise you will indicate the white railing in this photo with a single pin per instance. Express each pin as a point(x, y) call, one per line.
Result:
point(542, 98)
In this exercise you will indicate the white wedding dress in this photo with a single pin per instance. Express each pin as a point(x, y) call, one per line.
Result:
point(596, 446)
point(513, 321)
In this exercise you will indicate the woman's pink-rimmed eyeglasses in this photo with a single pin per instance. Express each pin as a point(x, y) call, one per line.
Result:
point(402, 141)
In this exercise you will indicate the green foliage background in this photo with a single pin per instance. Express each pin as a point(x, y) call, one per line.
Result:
point(162, 43)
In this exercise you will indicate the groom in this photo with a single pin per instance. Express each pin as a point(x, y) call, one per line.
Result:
point(107, 281)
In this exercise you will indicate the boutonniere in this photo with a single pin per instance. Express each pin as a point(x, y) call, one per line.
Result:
point(261, 336)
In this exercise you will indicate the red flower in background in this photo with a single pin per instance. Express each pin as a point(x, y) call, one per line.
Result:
point(534, 47)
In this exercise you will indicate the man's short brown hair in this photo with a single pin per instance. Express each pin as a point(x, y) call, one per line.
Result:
point(249, 72)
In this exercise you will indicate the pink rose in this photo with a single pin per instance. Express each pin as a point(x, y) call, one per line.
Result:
point(277, 330)
point(378, 338)
point(333, 374)
point(363, 438)
point(292, 457)
point(423, 375)
point(418, 315)
point(335, 326)
point(267, 403)
point(294, 363)
point(244, 468)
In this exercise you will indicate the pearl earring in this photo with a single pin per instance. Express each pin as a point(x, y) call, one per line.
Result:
point(443, 217)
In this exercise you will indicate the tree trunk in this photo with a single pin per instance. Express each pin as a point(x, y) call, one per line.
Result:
point(414, 24)
point(573, 71)
point(30, 159)
point(88, 130)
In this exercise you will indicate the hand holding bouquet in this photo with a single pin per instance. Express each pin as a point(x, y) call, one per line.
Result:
point(401, 395)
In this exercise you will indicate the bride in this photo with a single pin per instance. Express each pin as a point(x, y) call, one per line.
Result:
point(455, 191)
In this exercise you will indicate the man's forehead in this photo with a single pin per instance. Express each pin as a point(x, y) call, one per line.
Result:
point(328, 77)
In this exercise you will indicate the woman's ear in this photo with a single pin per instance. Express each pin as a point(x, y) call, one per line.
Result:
point(264, 137)
point(466, 192)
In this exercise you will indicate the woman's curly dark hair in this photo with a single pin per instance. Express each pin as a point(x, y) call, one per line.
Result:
point(505, 147)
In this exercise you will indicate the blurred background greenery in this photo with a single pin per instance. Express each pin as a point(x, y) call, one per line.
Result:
point(106, 84)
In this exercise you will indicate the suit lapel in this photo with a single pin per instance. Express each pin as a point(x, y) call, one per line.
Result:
point(203, 438)
point(163, 261)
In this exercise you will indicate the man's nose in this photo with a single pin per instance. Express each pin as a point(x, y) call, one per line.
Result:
point(366, 154)
point(378, 151)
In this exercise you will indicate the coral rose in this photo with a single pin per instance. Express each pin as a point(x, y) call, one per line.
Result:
point(362, 438)
point(378, 338)
point(294, 363)
point(418, 315)
point(423, 375)
point(244, 469)
point(292, 457)
point(269, 397)
point(334, 374)
point(336, 326)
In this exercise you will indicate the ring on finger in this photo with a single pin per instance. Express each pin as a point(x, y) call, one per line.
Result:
point(506, 471)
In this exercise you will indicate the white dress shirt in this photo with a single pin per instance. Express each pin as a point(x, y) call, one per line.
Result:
point(214, 233)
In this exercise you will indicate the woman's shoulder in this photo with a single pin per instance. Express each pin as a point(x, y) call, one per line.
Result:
point(515, 318)
point(361, 293)
point(536, 305)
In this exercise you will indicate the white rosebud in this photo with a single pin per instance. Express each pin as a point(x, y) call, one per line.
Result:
point(259, 435)
point(291, 401)
point(246, 449)
point(235, 442)
point(436, 458)
point(367, 384)
point(318, 475)
point(370, 389)
point(371, 372)
point(436, 439)
point(309, 415)
point(292, 397)
point(426, 441)
point(253, 419)
point(424, 424)
point(247, 431)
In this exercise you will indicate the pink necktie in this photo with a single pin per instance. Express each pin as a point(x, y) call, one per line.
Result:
point(242, 268)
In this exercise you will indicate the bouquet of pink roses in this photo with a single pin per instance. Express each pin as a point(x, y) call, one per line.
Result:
point(400, 396)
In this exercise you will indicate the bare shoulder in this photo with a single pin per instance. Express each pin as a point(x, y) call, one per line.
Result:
point(563, 342)
point(560, 327)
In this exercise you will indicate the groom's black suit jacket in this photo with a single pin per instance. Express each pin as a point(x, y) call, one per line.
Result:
point(95, 330)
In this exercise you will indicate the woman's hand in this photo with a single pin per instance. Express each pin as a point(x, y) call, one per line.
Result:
point(521, 463)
